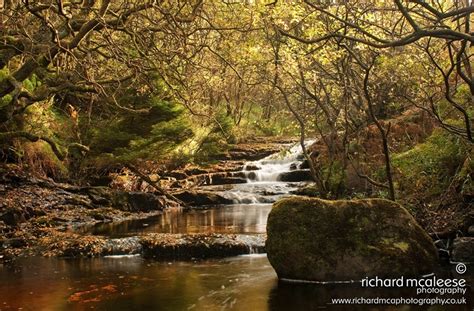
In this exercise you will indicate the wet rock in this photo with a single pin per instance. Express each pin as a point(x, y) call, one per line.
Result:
point(123, 200)
point(158, 246)
point(470, 231)
point(252, 167)
point(242, 175)
point(250, 155)
point(15, 243)
point(190, 246)
point(178, 175)
point(79, 200)
point(318, 240)
point(122, 246)
point(224, 178)
point(145, 202)
point(295, 176)
point(304, 165)
point(99, 200)
point(85, 247)
point(199, 198)
point(227, 180)
point(14, 216)
point(463, 250)
point(252, 176)
point(101, 181)
point(195, 171)
point(100, 195)
point(308, 190)
point(99, 214)
point(293, 166)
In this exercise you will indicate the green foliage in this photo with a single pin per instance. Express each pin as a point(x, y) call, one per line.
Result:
point(224, 126)
point(5, 100)
point(335, 178)
point(430, 166)
point(216, 140)
point(32, 83)
point(4, 72)
point(38, 157)
point(140, 135)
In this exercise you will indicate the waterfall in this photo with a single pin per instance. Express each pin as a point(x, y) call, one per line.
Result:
point(263, 177)
point(271, 167)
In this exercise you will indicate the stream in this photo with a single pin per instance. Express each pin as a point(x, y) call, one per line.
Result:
point(245, 282)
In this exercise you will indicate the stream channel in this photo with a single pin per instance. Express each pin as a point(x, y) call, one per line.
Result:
point(245, 282)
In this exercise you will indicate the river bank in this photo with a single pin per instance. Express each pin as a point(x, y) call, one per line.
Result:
point(109, 246)
point(37, 213)
point(40, 217)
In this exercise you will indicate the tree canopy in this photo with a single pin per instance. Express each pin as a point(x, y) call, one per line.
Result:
point(106, 83)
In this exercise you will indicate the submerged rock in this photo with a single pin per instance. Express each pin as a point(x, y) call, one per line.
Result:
point(155, 245)
point(190, 246)
point(318, 240)
point(463, 250)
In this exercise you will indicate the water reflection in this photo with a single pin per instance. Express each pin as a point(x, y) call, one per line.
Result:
point(238, 283)
point(238, 218)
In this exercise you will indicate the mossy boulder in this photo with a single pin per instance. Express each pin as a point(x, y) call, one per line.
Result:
point(317, 240)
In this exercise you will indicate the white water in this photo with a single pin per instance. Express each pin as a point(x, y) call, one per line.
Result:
point(263, 184)
point(269, 168)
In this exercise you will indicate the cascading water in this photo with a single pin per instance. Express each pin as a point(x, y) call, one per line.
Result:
point(247, 215)
point(271, 167)
point(263, 177)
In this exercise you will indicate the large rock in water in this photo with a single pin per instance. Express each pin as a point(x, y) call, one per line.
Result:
point(317, 240)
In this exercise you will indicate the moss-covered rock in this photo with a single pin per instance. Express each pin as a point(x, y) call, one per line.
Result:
point(319, 240)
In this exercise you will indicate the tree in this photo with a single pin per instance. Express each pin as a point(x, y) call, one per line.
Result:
point(83, 53)
point(381, 25)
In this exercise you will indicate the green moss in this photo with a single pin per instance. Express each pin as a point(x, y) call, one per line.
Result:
point(350, 236)
point(403, 246)
point(429, 167)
